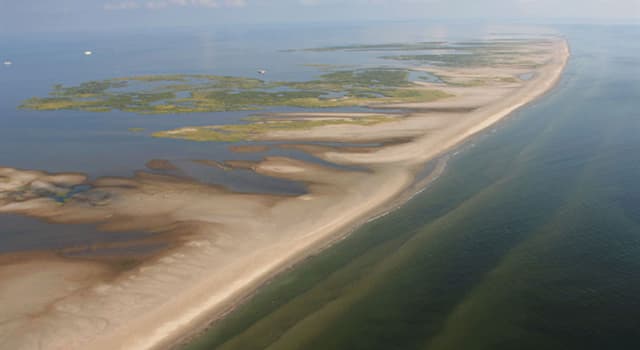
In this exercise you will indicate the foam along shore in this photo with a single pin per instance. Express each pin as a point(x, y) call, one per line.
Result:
point(231, 243)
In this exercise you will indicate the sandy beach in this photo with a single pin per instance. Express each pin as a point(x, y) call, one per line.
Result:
point(232, 243)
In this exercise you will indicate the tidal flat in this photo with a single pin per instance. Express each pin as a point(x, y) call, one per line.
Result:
point(228, 242)
point(259, 128)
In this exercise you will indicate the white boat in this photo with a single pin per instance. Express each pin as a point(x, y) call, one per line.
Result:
point(88, 53)
point(262, 72)
point(7, 63)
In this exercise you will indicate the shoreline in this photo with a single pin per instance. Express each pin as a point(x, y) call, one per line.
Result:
point(396, 202)
point(174, 320)
point(441, 160)
point(385, 209)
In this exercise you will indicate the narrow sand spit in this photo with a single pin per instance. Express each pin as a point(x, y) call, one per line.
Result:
point(236, 242)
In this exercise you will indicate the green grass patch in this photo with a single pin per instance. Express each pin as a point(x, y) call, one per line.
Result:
point(176, 94)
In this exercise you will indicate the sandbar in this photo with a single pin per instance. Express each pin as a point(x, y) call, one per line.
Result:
point(232, 243)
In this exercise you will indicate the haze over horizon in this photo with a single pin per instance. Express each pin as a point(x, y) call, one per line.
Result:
point(98, 15)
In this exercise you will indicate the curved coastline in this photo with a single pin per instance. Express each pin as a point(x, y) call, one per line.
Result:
point(440, 159)
point(394, 170)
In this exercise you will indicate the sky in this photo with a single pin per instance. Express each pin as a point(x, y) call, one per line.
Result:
point(96, 15)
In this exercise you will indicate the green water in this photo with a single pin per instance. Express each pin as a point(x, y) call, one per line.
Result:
point(531, 240)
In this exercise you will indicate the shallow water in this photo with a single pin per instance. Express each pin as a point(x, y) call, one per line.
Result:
point(20, 233)
point(530, 240)
point(100, 144)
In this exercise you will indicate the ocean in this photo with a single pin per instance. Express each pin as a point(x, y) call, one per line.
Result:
point(529, 240)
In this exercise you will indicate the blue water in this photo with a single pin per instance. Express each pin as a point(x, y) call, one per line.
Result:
point(100, 144)
point(530, 240)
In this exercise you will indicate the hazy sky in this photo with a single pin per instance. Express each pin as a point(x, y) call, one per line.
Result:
point(47, 15)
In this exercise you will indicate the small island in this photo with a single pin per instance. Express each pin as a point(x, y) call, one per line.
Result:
point(337, 86)
point(175, 94)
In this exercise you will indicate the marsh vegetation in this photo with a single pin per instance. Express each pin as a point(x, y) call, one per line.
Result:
point(336, 86)
point(454, 54)
point(162, 94)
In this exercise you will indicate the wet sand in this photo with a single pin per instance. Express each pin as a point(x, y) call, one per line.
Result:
point(230, 243)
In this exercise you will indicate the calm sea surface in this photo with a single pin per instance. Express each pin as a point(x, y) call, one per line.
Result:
point(100, 144)
point(531, 240)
